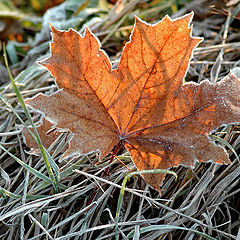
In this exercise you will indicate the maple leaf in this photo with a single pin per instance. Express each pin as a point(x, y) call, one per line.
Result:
point(142, 104)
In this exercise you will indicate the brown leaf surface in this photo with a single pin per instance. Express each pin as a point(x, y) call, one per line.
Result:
point(144, 103)
point(46, 134)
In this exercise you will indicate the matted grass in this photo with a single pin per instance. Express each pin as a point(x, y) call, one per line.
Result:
point(79, 200)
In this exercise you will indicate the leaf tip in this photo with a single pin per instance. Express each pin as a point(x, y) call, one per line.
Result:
point(189, 16)
point(137, 19)
point(87, 32)
point(236, 72)
point(53, 29)
point(44, 62)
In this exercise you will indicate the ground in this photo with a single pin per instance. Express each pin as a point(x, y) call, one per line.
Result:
point(81, 200)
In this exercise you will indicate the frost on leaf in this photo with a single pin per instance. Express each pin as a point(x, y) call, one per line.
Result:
point(46, 133)
point(143, 104)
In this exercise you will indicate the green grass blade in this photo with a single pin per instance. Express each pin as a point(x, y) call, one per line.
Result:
point(53, 165)
point(52, 162)
point(216, 138)
point(24, 107)
point(5, 193)
point(168, 228)
point(120, 198)
point(17, 115)
point(23, 164)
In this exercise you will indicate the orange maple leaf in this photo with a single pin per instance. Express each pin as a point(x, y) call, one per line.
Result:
point(142, 104)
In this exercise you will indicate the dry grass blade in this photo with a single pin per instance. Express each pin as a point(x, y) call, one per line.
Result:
point(204, 200)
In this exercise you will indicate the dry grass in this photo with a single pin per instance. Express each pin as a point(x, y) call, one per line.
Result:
point(203, 200)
